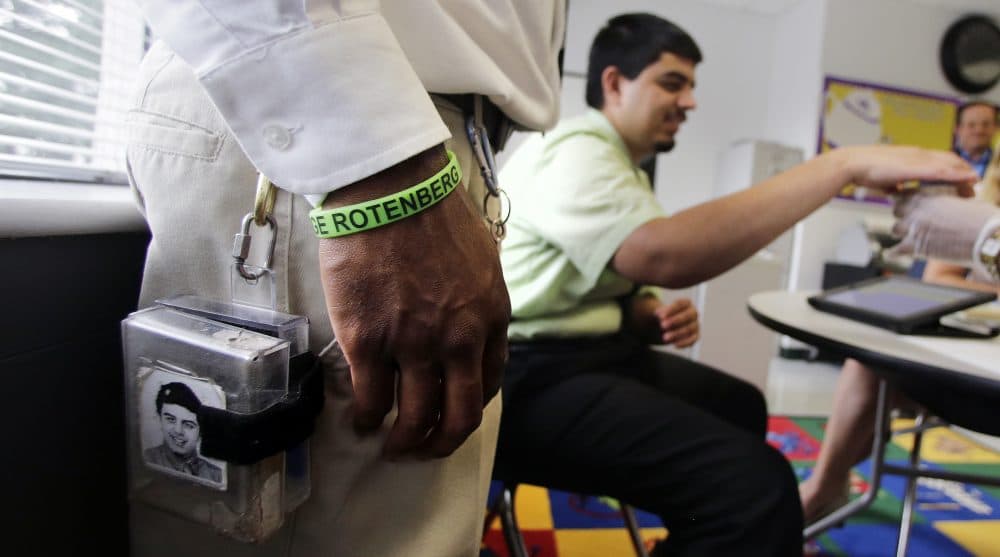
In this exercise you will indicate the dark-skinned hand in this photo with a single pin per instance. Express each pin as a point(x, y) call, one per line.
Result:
point(420, 310)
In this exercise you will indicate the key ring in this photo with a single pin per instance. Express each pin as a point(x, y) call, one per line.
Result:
point(498, 226)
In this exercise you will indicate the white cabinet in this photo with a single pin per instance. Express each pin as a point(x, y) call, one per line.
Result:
point(731, 340)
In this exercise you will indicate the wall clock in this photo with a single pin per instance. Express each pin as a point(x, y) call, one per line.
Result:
point(970, 54)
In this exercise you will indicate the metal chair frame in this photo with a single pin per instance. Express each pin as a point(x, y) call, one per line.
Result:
point(913, 471)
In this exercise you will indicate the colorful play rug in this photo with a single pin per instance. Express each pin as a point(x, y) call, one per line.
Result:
point(950, 519)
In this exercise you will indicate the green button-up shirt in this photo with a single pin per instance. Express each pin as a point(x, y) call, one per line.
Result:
point(576, 196)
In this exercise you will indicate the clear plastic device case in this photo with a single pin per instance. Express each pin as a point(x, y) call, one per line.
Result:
point(286, 326)
point(171, 357)
point(293, 328)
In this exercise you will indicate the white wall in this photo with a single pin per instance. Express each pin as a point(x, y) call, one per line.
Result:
point(796, 80)
point(894, 42)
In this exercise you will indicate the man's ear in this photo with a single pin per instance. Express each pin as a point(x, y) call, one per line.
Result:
point(611, 82)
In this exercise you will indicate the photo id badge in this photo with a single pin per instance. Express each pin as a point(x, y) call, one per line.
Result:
point(170, 432)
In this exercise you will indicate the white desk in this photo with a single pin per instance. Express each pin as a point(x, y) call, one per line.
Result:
point(956, 379)
point(791, 314)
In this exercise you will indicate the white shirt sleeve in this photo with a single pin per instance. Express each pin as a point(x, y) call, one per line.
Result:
point(318, 97)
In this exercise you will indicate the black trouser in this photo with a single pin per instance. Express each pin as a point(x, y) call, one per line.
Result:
point(657, 431)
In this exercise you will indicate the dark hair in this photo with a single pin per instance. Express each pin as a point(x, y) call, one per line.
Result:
point(631, 42)
point(179, 394)
point(963, 106)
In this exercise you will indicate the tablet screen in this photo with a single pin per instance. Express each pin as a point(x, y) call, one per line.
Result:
point(898, 298)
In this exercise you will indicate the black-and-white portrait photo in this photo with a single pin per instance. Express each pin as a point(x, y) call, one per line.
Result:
point(171, 434)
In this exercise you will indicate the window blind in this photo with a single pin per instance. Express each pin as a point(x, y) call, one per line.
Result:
point(65, 79)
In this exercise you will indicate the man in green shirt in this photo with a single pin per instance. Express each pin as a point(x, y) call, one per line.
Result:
point(588, 407)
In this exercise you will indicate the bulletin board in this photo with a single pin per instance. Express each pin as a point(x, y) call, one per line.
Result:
point(859, 113)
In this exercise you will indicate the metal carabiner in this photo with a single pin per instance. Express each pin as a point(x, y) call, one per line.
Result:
point(241, 247)
point(481, 148)
point(479, 140)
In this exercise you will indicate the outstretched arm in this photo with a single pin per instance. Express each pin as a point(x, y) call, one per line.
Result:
point(706, 240)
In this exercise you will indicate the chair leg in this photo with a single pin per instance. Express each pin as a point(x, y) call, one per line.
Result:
point(511, 532)
point(633, 530)
point(906, 520)
point(504, 508)
point(874, 483)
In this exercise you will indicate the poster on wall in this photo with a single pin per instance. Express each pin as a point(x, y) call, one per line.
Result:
point(858, 113)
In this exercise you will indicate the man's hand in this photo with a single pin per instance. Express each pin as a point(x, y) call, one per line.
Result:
point(888, 167)
point(678, 323)
point(941, 227)
point(420, 310)
point(657, 323)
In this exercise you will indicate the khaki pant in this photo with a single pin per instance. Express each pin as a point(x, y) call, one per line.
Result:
point(194, 185)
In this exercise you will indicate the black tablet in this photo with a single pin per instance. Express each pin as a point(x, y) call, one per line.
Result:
point(901, 304)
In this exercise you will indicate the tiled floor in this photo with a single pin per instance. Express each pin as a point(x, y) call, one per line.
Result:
point(801, 388)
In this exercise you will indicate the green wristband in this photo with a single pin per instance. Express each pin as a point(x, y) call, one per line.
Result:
point(351, 219)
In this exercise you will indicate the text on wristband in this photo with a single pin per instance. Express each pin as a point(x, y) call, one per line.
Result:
point(342, 221)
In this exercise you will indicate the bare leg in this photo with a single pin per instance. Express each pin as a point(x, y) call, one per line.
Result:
point(847, 441)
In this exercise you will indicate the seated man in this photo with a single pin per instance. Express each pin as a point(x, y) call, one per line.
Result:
point(975, 126)
point(588, 407)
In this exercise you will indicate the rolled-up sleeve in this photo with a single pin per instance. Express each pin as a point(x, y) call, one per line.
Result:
point(600, 200)
point(317, 99)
